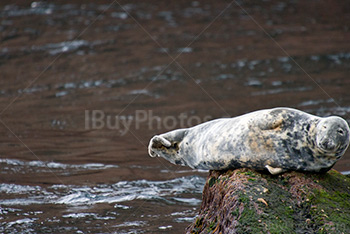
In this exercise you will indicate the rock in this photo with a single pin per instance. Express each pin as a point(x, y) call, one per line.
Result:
point(246, 201)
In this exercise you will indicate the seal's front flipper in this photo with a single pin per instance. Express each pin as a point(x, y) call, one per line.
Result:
point(275, 170)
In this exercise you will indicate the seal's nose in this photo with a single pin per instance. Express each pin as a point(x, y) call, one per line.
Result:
point(328, 144)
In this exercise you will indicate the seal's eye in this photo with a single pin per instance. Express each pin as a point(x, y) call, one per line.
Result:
point(324, 126)
point(340, 131)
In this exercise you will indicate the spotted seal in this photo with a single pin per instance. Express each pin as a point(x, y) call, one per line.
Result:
point(278, 140)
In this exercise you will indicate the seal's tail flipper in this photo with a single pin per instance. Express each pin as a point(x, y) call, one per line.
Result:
point(156, 143)
point(166, 143)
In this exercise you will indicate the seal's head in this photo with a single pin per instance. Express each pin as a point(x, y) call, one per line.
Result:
point(332, 136)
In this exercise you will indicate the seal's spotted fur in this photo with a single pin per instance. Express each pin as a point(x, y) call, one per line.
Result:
point(278, 139)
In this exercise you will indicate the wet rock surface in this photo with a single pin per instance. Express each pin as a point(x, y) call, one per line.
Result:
point(246, 201)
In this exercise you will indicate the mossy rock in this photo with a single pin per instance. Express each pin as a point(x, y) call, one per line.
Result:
point(246, 201)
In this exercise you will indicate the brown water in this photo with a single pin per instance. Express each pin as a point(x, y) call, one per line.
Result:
point(63, 62)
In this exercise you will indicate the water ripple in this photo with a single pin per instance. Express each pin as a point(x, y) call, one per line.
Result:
point(169, 191)
point(20, 166)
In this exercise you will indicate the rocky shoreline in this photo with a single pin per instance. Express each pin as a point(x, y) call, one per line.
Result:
point(246, 201)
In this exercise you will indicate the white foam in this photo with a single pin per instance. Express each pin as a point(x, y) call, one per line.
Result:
point(21, 221)
point(17, 189)
point(165, 227)
point(55, 165)
point(170, 191)
point(132, 224)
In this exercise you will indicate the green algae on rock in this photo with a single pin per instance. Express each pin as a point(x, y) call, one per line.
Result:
point(246, 201)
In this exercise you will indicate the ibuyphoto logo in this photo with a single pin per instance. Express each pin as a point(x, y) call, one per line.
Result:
point(98, 119)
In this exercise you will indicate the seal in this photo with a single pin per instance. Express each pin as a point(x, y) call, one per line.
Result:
point(279, 140)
